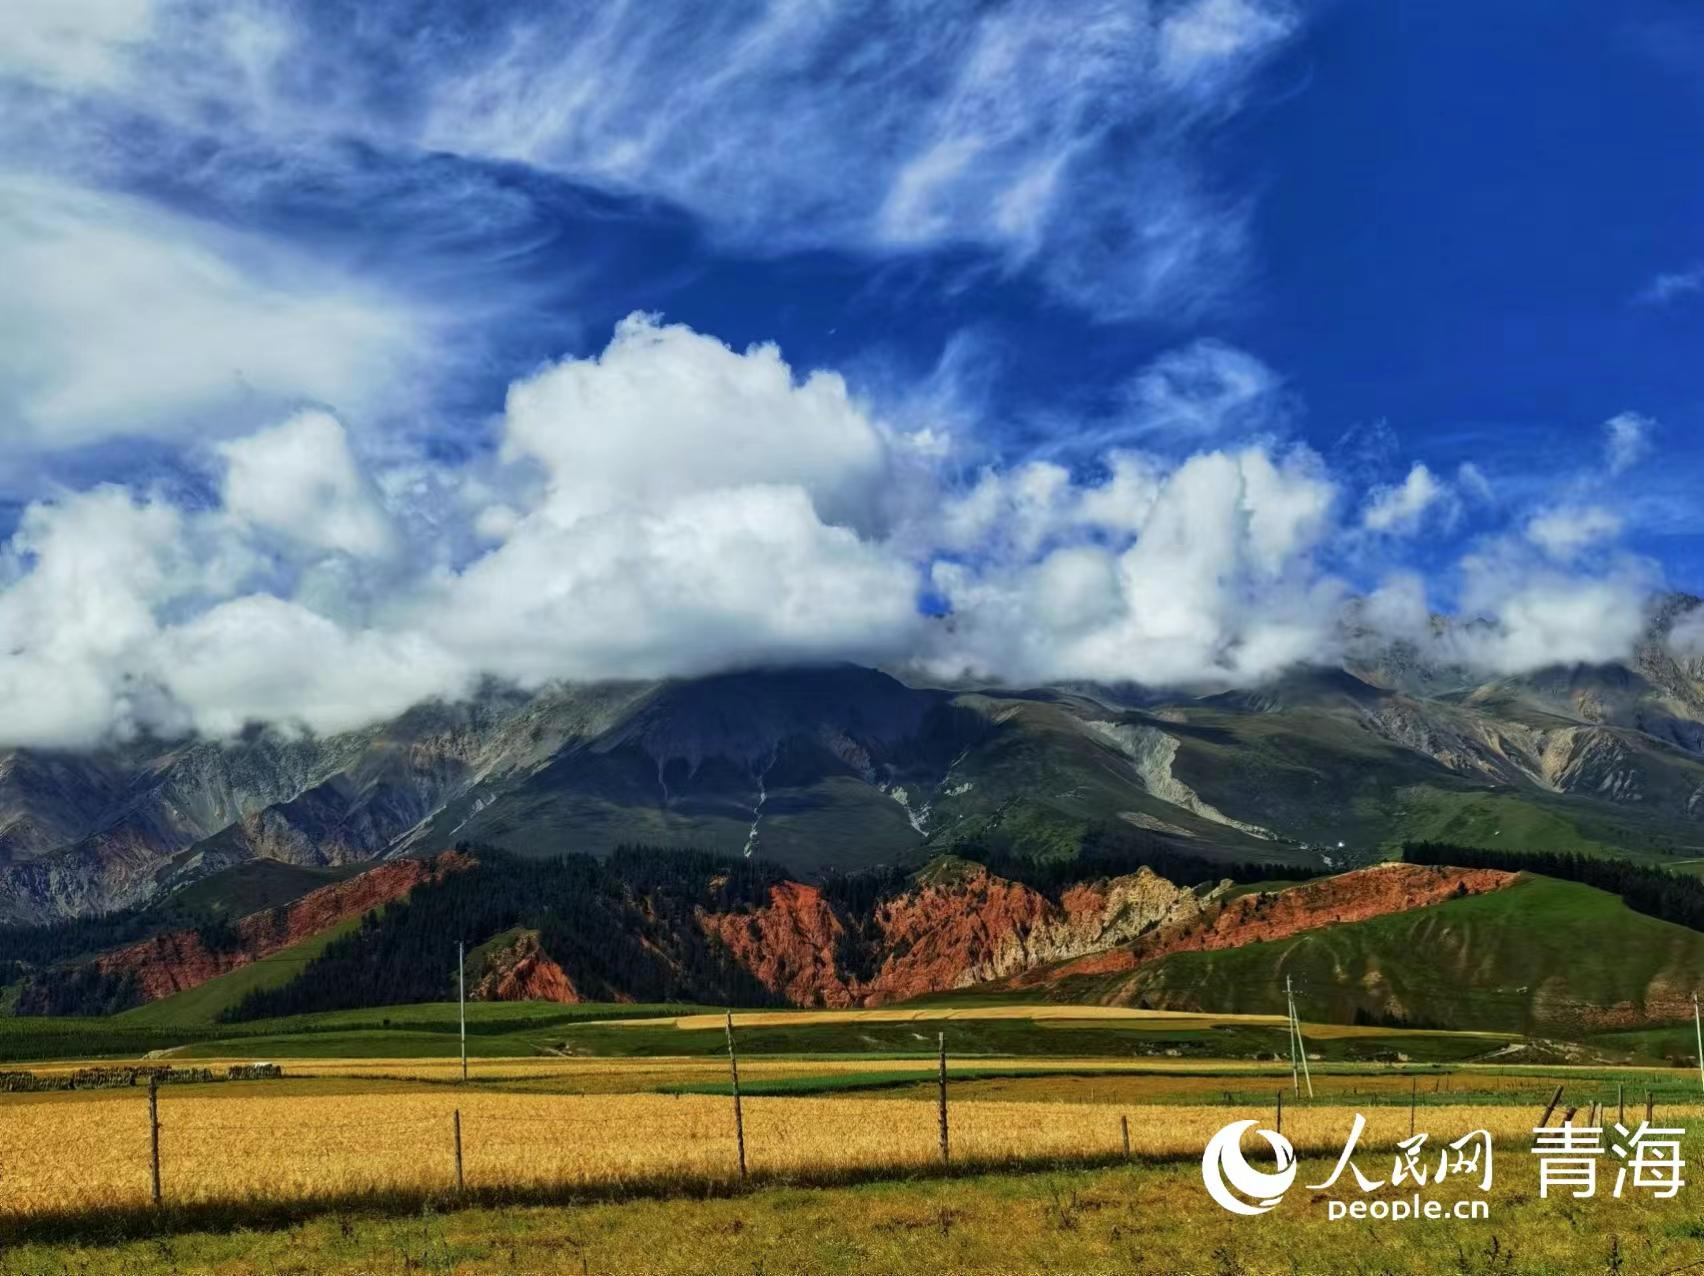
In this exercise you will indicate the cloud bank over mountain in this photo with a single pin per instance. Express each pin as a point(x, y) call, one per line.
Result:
point(674, 506)
point(317, 398)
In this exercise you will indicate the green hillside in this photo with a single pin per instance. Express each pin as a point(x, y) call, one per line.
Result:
point(202, 1005)
point(1542, 956)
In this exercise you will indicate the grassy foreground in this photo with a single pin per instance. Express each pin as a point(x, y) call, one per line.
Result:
point(1140, 1219)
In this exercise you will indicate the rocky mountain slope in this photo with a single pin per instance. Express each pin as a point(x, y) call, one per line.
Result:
point(688, 928)
point(1408, 944)
point(957, 925)
point(840, 768)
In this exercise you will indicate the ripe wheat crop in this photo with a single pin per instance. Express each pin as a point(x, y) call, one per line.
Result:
point(73, 1152)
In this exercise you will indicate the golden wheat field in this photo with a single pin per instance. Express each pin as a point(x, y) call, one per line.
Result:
point(76, 1152)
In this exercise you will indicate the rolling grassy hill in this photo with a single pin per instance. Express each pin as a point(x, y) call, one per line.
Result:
point(1542, 956)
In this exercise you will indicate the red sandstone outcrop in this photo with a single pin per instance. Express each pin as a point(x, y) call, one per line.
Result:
point(791, 945)
point(524, 972)
point(180, 959)
point(1266, 915)
point(964, 926)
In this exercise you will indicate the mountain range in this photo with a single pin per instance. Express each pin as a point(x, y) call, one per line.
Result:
point(843, 768)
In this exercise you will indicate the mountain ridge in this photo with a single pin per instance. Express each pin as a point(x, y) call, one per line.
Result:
point(840, 767)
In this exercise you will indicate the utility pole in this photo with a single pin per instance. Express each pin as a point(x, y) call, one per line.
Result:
point(734, 1079)
point(1300, 1050)
point(461, 993)
point(154, 1136)
point(946, 1155)
point(1698, 1030)
point(1290, 1025)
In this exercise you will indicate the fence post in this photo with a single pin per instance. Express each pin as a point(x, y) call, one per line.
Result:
point(1556, 1098)
point(739, 1115)
point(1124, 1125)
point(460, 1182)
point(1649, 1101)
point(1280, 1112)
point(946, 1154)
point(154, 1134)
point(1413, 1098)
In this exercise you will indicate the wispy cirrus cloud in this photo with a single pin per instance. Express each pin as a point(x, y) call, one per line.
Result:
point(120, 317)
point(1063, 140)
point(1627, 440)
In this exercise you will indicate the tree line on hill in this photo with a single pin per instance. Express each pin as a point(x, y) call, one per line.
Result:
point(622, 927)
point(43, 944)
point(1656, 892)
point(1109, 850)
point(49, 942)
point(78, 990)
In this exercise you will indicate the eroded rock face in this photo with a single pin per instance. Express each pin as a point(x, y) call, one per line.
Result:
point(967, 928)
point(793, 945)
point(1152, 752)
point(1267, 915)
point(524, 972)
point(181, 959)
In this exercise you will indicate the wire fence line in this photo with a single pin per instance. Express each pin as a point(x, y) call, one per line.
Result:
point(205, 1143)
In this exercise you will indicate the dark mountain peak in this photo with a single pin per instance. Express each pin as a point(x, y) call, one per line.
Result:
point(1300, 689)
point(744, 717)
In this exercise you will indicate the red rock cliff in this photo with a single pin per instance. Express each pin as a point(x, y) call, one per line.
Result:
point(524, 972)
point(964, 926)
point(1266, 915)
point(792, 945)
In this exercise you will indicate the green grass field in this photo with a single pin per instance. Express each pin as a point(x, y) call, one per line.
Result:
point(495, 1029)
point(1121, 1219)
point(1542, 957)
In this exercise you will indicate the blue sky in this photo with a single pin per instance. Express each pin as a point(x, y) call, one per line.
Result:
point(1317, 303)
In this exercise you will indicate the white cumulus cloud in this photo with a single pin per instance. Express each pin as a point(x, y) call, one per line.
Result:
point(1563, 533)
point(1219, 583)
point(300, 479)
point(1399, 510)
point(671, 506)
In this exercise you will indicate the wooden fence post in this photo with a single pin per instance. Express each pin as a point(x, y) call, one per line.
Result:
point(739, 1115)
point(1280, 1112)
point(461, 1183)
point(946, 1154)
point(154, 1134)
point(1413, 1098)
point(1621, 1103)
point(1124, 1125)
point(1556, 1098)
point(1649, 1101)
